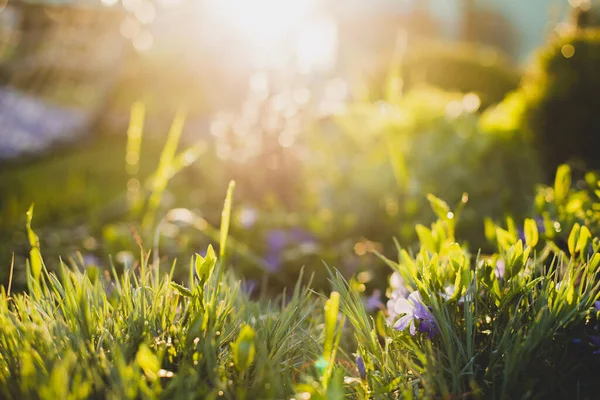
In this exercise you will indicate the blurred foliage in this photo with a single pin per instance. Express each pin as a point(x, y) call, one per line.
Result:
point(585, 15)
point(567, 204)
point(462, 68)
point(429, 141)
point(520, 321)
point(556, 101)
point(352, 182)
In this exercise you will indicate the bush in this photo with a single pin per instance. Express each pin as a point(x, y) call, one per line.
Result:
point(462, 68)
point(430, 141)
point(557, 101)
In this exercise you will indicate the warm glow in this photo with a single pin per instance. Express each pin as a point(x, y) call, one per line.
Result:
point(263, 21)
point(272, 27)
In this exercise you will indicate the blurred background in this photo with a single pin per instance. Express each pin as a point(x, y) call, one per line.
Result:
point(124, 120)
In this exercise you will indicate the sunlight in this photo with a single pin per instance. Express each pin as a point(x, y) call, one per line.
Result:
point(276, 30)
point(263, 22)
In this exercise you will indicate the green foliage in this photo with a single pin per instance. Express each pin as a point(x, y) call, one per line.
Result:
point(519, 323)
point(568, 209)
point(557, 100)
point(135, 336)
point(434, 143)
point(461, 68)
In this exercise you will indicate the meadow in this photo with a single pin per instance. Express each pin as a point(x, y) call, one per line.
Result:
point(432, 232)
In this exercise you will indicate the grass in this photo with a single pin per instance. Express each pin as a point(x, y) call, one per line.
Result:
point(519, 323)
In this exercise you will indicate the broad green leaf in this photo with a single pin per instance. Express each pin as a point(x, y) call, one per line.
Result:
point(504, 238)
point(574, 239)
point(148, 361)
point(205, 265)
point(439, 206)
point(225, 217)
point(584, 238)
point(562, 183)
point(425, 237)
point(511, 227)
point(595, 262)
point(489, 229)
point(531, 232)
point(331, 316)
point(244, 349)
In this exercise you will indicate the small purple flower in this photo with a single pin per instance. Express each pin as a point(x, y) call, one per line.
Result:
point(279, 239)
point(540, 224)
point(360, 365)
point(373, 302)
point(273, 261)
point(597, 305)
point(90, 260)
point(300, 235)
point(276, 239)
point(414, 310)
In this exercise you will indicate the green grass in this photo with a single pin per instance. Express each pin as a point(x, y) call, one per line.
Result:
point(519, 323)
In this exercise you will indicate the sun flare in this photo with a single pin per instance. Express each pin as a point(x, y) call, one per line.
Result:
point(272, 27)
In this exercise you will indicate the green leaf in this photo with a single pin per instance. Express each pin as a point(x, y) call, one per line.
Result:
point(182, 290)
point(584, 237)
point(425, 237)
point(148, 361)
point(335, 390)
point(244, 349)
point(505, 238)
point(439, 206)
point(35, 256)
point(225, 217)
point(331, 316)
point(205, 265)
point(531, 232)
point(489, 229)
point(574, 239)
point(562, 183)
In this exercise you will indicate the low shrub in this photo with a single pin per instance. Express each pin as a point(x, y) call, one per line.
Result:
point(429, 141)
point(460, 68)
point(556, 101)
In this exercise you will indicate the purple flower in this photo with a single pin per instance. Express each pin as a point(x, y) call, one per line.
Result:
point(279, 239)
point(373, 302)
point(539, 221)
point(597, 305)
point(360, 365)
point(90, 260)
point(273, 261)
point(398, 285)
point(414, 310)
point(276, 239)
point(429, 327)
point(300, 235)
